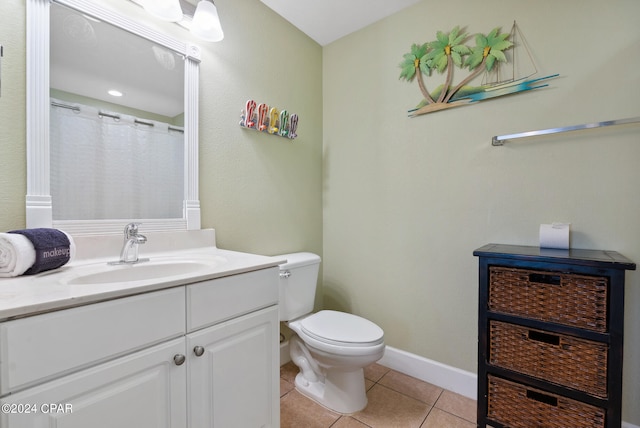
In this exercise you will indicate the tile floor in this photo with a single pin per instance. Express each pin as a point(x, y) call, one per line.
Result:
point(395, 401)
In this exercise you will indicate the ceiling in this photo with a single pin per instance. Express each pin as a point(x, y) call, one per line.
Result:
point(89, 57)
point(328, 20)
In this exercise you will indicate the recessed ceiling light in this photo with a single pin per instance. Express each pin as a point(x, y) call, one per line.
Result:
point(115, 93)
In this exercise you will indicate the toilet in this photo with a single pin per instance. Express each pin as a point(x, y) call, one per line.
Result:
point(331, 348)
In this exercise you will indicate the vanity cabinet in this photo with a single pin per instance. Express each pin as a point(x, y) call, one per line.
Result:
point(230, 375)
point(143, 390)
point(233, 368)
point(200, 355)
point(550, 337)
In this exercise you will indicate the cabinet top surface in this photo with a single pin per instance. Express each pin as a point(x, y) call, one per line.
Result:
point(595, 258)
point(47, 291)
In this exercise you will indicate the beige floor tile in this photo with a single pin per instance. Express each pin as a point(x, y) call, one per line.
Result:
point(390, 409)
point(368, 384)
point(285, 386)
point(395, 401)
point(348, 422)
point(411, 386)
point(375, 371)
point(441, 419)
point(458, 405)
point(297, 411)
point(289, 371)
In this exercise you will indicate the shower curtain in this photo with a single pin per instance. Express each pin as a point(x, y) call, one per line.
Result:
point(107, 168)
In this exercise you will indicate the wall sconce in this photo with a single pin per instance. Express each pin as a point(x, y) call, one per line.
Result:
point(203, 21)
point(167, 10)
point(206, 22)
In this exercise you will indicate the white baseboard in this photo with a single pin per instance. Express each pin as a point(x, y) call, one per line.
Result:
point(453, 379)
point(284, 353)
point(447, 377)
point(456, 380)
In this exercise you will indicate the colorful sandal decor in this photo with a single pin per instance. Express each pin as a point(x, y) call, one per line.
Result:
point(261, 118)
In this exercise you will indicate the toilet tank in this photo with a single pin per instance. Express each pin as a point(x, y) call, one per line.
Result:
point(298, 280)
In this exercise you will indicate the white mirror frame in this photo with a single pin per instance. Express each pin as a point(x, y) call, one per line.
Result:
point(39, 208)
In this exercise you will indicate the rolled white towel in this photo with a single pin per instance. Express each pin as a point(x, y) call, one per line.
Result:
point(72, 247)
point(17, 254)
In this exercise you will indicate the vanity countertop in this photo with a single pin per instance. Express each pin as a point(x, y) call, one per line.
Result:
point(64, 288)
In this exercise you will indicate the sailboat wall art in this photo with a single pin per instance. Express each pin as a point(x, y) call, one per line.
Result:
point(491, 55)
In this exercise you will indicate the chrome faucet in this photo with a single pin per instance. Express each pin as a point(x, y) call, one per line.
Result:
point(132, 239)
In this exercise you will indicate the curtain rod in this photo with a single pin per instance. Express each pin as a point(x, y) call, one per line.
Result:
point(499, 140)
point(142, 122)
point(74, 108)
point(113, 116)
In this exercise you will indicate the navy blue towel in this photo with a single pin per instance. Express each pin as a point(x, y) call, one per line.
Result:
point(53, 248)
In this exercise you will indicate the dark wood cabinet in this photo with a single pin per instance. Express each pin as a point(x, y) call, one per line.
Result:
point(550, 337)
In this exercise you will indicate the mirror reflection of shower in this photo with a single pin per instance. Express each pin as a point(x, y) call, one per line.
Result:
point(107, 165)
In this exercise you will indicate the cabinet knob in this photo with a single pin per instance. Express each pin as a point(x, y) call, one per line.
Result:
point(285, 274)
point(198, 350)
point(179, 359)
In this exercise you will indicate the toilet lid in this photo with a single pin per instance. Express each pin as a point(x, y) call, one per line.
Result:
point(341, 327)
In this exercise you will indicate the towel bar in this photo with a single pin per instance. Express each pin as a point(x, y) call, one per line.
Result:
point(499, 140)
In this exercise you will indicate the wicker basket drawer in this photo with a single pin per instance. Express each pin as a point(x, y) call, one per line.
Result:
point(565, 360)
point(517, 406)
point(568, 299)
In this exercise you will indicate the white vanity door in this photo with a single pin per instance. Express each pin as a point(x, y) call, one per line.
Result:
point(142, 390)
point(234, 382)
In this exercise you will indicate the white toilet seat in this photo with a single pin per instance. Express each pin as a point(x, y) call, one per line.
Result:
point(341, 328)
point(339, 333)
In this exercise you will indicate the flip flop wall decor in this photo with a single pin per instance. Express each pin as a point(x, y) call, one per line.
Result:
point(261, 118)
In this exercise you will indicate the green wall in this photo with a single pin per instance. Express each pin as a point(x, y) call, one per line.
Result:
point(407, 200)
point(13, 184)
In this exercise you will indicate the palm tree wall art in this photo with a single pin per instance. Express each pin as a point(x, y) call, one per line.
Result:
point(448, 52)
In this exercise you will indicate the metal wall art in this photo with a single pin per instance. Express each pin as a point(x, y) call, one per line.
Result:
point(449, 51)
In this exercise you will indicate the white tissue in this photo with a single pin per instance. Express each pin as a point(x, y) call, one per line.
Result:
point(555, 235)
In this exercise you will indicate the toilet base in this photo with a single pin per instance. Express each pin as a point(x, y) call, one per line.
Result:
point(342, 392)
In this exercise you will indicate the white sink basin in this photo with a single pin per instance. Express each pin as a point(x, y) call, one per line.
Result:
point(138, 272)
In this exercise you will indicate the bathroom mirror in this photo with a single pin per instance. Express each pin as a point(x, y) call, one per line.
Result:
point(79, 180)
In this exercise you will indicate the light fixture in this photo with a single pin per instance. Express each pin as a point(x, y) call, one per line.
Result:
point(201, 20)
point(115, 93)
point(206, 22)
point(167, 10)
